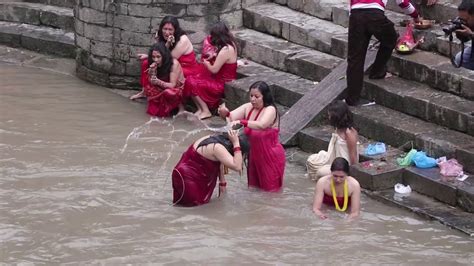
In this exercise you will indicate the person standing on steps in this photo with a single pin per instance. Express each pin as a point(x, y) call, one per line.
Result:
point(367, 18)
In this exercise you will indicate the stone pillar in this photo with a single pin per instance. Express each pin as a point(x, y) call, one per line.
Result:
point(109, 33)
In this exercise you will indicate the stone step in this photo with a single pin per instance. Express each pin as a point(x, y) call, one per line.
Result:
point(394, 128)
point(291, 25)
point(285, 56)
point(61, 3)
point(236, 92)
point(38, 38)
point(425, 67)
point(37, 14)
point(318, 8)
point(434, 38)
point(442, 11)
point(421, 101)
point(428, 208)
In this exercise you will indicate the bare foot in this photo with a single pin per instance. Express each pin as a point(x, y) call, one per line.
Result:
point(137, 96)
point(198, 113)
point(205, 115)
point(388, 75)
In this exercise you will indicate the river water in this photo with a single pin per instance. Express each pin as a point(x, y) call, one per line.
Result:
point(73, 190)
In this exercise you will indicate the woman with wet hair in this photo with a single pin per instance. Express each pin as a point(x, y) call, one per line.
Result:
point(207, 89)
point(343, 143)
point(261, 121)
point(175, 39)
point(338, 189)
point(196, 174)
point(162, 80)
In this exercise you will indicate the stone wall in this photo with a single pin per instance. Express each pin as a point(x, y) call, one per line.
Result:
point(109, 33)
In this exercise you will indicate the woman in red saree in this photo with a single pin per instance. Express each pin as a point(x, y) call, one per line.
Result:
point(266, 161)
point(207, 88)
point(195, 176)
point(162, 81)
point(175, 39)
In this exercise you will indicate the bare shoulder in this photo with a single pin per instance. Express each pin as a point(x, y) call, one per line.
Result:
point(323, 180)
point(353, 182)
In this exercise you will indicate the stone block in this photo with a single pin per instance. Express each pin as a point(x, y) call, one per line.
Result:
point(233, 19)
point(99, 33)
point(428, 182)
point(465, 156)
point(339, 44)
point(101, 48)
point(156, 11)
point(133, 68)
point(136, 39)
point(376, 174)
point(264, 49)
point(124, 82)
point(311, 64)
point(465, 194)
point(134, 24)
point(92, 76)
point(197, 24)
point(83, 43)
point(314, 139)
point(79, 27)
point(93, 16)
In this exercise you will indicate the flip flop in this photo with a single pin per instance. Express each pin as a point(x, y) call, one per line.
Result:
point(205, 118)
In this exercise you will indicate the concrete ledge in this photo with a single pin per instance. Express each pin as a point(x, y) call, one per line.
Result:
point(377, 174)
point(428, 208)
point(38, 38)
point(38, 14)
point(291, 25)
point(421, 101)
point(285, 56)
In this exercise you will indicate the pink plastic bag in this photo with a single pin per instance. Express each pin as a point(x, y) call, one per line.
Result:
point(450, 167)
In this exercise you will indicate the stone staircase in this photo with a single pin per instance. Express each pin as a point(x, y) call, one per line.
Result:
point(428, 103)
point(45, 26)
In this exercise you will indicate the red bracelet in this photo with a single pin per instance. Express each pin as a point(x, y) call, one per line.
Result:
point(244, 122)
point(237, 149)
point(228, 114)
point(222, 184)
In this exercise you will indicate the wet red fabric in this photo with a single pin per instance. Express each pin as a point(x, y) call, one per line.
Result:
point(328, 200)
point(161, 102)
point(189, 65)
point(194, 179)
point(266, 162)
point(210, 87)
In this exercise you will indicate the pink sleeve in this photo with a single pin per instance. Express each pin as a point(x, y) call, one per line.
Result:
point(408, 8)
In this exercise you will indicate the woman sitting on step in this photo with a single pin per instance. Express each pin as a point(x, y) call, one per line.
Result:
point(207, 88)
point(162, 81)
point(337, 189)
point(261, 121)
point(195, 176)
point(343, 143)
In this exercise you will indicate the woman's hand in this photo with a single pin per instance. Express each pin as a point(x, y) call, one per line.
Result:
point(234, 137)
point(233, 123)
point(170, 41)
point(223, 111)
point(222, 189)
point(142, 56)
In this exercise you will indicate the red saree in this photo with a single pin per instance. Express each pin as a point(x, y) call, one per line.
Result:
point(194, 179)
point(161, 102)
point(266, 162)
point(189, 64)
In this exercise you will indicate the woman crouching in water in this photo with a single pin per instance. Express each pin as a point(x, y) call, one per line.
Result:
point(338, 189)
point(195, 175)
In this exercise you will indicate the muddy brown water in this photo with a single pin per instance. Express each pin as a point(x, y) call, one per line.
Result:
point(68, 194)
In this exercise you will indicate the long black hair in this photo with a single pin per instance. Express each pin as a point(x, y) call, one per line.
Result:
point(267, 95)
point(340, 117)
point(166, 59)
point(221, 36)
point(223, 139)
point(178, 32)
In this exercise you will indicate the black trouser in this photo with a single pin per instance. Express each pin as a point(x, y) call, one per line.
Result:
point(363, 23)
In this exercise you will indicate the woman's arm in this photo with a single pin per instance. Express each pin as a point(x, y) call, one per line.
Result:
point(351, 139)
point(266, 120)
point(318, 199)
point(183, 46)
point(234, 163)
point(224, 55)
point(175, 73)
point(222, 182)
point(355, 201)
point(236, 114)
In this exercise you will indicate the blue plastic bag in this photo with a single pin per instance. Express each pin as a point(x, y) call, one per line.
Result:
point(375, 148)
point(422, 161)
